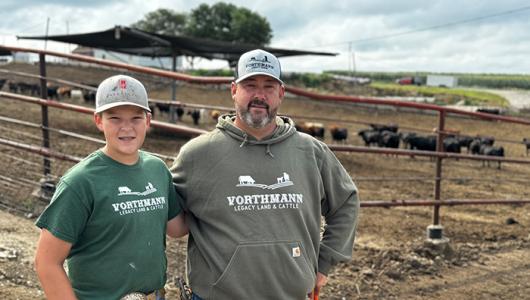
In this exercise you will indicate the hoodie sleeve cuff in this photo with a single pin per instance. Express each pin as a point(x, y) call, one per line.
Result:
point(323, 266)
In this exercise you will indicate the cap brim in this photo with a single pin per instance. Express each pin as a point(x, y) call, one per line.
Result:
point(115, 104)
point(238, 80)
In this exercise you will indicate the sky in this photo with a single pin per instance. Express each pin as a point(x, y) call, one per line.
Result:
point(465, 36)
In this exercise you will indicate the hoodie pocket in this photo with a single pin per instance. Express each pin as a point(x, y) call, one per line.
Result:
point(266, 270)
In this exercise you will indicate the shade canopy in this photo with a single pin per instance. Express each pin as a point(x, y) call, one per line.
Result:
point(134, 41)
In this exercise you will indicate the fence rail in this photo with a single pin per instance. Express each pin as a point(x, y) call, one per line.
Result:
point(372, 203)
point(439, 155)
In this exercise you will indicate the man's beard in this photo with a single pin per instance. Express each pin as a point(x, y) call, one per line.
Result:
point(256, 121)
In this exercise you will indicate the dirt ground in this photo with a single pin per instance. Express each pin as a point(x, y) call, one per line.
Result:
point(487, 256)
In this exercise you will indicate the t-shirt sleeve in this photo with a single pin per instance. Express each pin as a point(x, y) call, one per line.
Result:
point(174, 202)
point(66, 215)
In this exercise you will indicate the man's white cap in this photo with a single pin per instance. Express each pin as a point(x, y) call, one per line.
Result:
point(121, 90)
point(258, 62)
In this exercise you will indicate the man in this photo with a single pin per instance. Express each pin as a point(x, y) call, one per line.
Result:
point(255, 190)
point(109, 215)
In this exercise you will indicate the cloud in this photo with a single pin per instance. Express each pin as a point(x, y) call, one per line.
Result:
point(494, 44)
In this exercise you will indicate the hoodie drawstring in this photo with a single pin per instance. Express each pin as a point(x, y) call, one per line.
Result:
point(269, 152)
point(245, 140)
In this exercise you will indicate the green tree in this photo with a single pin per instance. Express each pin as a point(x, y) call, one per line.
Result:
point(227, 22)
point(163, 21)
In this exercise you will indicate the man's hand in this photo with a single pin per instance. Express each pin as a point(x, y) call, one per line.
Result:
point(321, 281)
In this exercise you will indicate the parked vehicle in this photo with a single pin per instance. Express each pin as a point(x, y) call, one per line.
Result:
point(410, 80)
point(442, 81)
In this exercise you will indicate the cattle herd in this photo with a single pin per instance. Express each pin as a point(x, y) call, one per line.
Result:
point(54, 92)
point(378, 135)
point(388, 136)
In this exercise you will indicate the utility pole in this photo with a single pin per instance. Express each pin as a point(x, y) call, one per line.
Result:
point(354, 64)
point(349, 58)
point(46, 34)
point(67, 33)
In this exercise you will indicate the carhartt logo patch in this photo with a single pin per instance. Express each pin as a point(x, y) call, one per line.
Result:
point(296, 252)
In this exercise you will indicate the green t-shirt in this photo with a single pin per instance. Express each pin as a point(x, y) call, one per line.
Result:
point(115, 217)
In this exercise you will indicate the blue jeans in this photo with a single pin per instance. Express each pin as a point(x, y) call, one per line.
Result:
point(195, 297)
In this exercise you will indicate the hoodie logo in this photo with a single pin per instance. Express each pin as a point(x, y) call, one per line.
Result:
point(283, 181)
point(265, 202)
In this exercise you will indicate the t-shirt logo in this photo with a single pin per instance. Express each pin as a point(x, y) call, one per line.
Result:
point(125, 190)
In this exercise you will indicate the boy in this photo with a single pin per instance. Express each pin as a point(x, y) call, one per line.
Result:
point(109, 215)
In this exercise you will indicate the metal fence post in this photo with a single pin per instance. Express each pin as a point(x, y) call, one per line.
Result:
point(435, 231)
point(44, 113)
point(172, 110)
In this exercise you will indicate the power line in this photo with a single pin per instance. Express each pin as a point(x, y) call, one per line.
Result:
point(31, 27)
point(387, 36)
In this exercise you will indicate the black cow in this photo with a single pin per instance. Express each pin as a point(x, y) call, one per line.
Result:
point(152, 108)
point(381, 128)
point(493, 111)
point(465, 141)
point(526, 141)
point(52, 92)
point(338, 134)
point(477, 142)
point(195, 115)
point(370, 136)
point(405, 137)
point(28, 88)
point(425, 143)
point(492, 151)
point(2, 82)
point(12, 86)
point(451, 144)
point(389, 139)
point(166, 108)
point(163, 107)
point(180, 112)
point(89, 96)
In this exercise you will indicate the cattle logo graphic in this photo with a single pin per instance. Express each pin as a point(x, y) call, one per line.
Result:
point(125, 190)
point(283, 181)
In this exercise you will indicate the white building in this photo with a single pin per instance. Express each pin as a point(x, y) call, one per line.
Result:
point(162, 62)
point(442, 81)
point(21, 57)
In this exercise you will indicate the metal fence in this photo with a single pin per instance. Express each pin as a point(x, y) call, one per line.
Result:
point(439, 155)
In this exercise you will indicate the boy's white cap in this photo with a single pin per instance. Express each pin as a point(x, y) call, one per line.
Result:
point(121, 90)
point(258, 62)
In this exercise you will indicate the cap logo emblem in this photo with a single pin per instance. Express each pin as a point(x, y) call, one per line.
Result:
point(256, 63)
point(262, 60)
point(123, 84)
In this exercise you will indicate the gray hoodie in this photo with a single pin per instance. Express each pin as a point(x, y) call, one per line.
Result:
point(254, 212)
